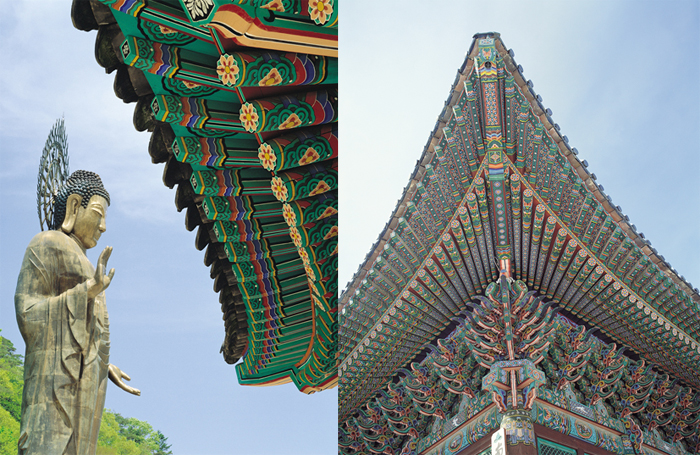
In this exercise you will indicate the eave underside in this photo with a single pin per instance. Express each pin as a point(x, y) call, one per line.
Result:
point(565, 240)
point(268, 221)
point(461, 386)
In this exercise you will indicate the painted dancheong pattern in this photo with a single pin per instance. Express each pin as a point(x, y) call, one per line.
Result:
point(452, 240)
point(213, 106)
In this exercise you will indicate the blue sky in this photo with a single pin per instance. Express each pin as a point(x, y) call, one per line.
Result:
point(166, 320)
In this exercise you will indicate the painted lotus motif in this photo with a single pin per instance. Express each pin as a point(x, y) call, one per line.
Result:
point(310, 156)
point(227, 69)
point(249, 117)
point(273, 77)
point(295, 235)
point(290, 122)
point(279, 189)
point(267, 157)
point(320, 10)
point(310, 273)
point(289, 216)
point(321, 187)
point(304, 256)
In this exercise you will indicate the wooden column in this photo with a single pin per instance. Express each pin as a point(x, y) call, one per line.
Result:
point(516, 435)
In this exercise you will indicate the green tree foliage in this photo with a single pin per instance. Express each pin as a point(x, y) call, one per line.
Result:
point(163, 446)
point(11, 382)
point(9, 433)
point(129, 436)
point(11, 379)
point(118, 435)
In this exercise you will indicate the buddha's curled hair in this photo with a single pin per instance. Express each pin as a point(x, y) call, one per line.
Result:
point(84, 183)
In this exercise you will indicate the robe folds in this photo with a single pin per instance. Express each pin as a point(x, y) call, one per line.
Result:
point(67, 354)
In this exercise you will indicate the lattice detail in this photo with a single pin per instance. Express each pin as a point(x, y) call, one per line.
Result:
point(550, 448)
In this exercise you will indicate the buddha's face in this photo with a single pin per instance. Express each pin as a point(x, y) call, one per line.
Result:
point(90, 221)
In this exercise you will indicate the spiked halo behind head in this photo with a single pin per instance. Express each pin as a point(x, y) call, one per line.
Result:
point(53, 173)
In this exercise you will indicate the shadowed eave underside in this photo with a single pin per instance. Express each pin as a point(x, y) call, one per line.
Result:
point(560, 233)
point(245, 120)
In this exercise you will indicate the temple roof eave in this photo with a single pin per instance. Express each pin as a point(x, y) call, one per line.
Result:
point(359, 332)
point(581, 168)
point(276, 307)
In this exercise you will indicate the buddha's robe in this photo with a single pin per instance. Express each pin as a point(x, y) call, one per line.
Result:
point(67, 356)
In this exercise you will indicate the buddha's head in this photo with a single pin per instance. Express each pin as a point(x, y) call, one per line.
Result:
point(80, 208)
